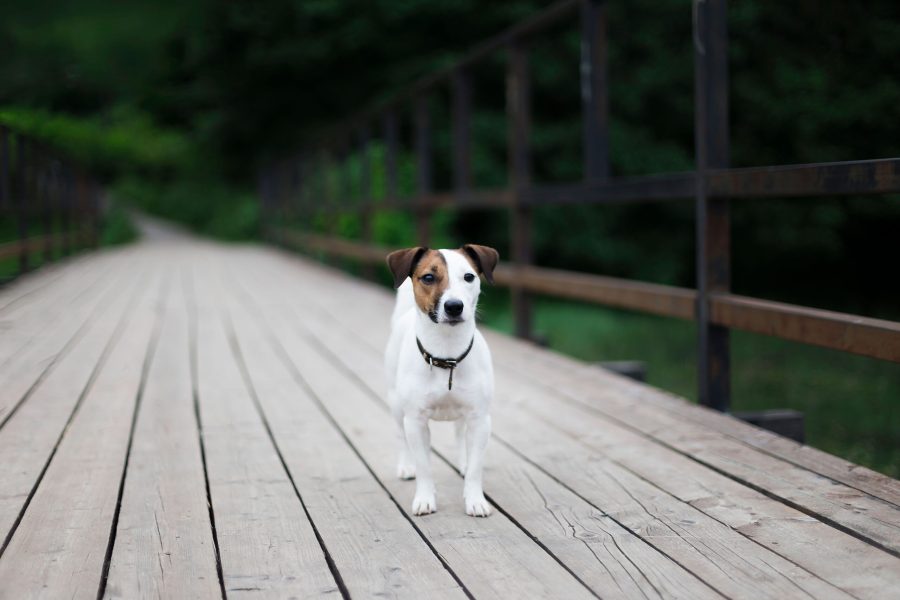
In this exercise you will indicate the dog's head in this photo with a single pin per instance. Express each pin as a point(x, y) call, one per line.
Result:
point(445, 282)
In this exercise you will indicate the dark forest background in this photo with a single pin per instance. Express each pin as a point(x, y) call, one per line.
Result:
point(175, 105)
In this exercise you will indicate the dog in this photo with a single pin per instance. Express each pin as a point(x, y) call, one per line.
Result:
point(439, 366)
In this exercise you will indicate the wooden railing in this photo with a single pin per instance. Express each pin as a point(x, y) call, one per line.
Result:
point(290, 187)
point(49, 203)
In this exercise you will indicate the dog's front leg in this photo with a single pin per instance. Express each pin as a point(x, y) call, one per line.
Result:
point(460, 429)
point(418, 438)
point(478, 430)
point(406, 468)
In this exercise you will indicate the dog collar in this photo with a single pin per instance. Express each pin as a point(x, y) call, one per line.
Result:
point(444, 363)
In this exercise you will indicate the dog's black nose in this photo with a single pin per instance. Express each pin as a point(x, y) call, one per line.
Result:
point(453, 308)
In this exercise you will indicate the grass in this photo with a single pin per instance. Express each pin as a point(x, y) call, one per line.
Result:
point(850, 403)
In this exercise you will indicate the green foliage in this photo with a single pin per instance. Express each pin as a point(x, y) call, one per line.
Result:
point(207, 206)
point(176, 104)
point(117, 227)
point(120, 141)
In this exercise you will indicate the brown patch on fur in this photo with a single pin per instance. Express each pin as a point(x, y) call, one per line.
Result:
point(483, 259)
point(428, 295)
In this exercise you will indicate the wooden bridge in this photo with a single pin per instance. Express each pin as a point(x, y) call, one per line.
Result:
point(183, 419)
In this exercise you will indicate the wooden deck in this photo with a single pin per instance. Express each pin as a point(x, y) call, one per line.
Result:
point(181, 419)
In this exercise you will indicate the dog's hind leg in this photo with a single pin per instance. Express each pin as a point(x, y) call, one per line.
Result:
point(478, 431)
point(406, 467)
point(460, 428)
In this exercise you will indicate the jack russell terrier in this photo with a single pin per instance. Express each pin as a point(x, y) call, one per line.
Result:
point(439, 366)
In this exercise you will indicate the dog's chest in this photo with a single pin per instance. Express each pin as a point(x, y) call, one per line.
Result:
point(441, 403)
point(447, 408)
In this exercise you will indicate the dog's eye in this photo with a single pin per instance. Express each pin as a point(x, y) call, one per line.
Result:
point(469, 277)
point(427, 278)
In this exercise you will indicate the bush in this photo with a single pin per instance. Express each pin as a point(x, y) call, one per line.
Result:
point(206, 206)
point(117, 227)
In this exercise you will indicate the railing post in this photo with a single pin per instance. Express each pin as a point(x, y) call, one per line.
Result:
point(5, 203)
point(297, 175)
point(711, 136)
point(22, 193)
point(423, 169)
point(594, 90)
point(261, 196)
point(390, 156)
point(333, 193)
point(518, 92)
point(286, 185)
point(45, 193)
point(65, 198)
point(365, 196)
point(95, 212)
point(462, 137)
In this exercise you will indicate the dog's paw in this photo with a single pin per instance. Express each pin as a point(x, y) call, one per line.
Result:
point(424, 504)
point(406, 471)
point(477, 506)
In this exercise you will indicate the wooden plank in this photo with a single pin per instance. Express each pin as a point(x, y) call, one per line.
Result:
point(31, 285)
point(580, 535)
point(490, 556)
point(29, 438)
point(852, 508)
point(164, 547)
point(877, 176)
point(738, 491)
point(555, 364)
point(652, 298)
point(374, 546)
point(279, 555)
point(607, 556)
point(28, 322)
point(60, 545)
point(698, 542)
point(877, 338)
point(848, 508)
point(804, 541)
point(37, 360)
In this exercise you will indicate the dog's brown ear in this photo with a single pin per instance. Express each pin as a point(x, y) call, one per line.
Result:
point(484, 257)
point(402, 263)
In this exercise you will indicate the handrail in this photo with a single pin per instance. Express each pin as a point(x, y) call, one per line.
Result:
point(42, 191)
point(285, 188)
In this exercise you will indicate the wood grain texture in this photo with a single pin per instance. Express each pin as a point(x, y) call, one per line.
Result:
point(849, 508)
point(855, 476)
point(266, 543)
point(781, 527)
point(699, 543)
point(61, 542)
point(164, 546)
point(35, 345)
point(265, 394)
point(604, 553)
point(490, 556)
point(30, 286)
point(29, 438)
point(25, 322)
point(373, 545)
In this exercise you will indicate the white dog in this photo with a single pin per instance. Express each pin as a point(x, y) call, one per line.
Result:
point(439, 366)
